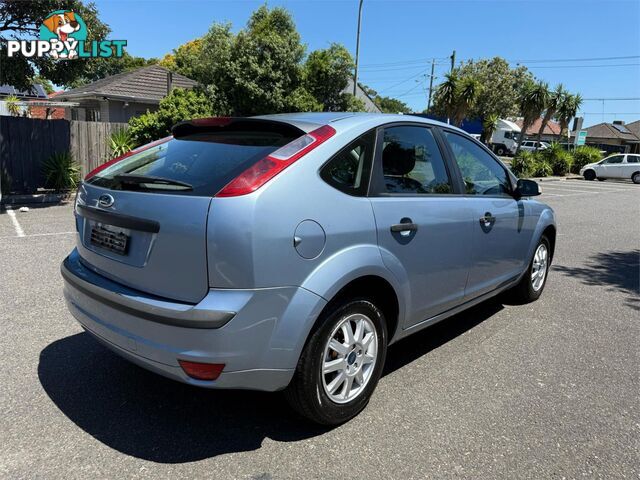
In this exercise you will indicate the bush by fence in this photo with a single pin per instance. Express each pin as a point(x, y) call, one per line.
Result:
point(26, 143)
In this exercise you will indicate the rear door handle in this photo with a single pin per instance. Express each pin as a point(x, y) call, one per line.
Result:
point(487, 219)
point(404, 227)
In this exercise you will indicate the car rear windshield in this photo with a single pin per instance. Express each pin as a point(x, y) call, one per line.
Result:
point(199, 162)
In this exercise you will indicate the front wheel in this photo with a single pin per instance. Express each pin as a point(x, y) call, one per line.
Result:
point(589, 175)
point(341, 364)
point(533, 281)
point(636, 178)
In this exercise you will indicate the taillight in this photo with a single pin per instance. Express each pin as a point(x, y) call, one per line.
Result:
point(126, 155)
point(264, 170)
point(202, 371)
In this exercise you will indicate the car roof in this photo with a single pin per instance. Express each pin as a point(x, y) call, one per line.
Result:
point(308, 121)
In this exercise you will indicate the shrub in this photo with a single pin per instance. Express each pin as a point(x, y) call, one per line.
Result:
point(542, 168)
point(558, 159)
point(523, 164)
point(179, 105)
point(120, 142)
point(61, 172)
point(584, 155)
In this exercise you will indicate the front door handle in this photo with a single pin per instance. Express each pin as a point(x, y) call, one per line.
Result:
point(487, 220)
point(405, 227)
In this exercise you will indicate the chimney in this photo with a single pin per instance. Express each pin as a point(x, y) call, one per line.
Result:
point(618, 122)
point(169, 82)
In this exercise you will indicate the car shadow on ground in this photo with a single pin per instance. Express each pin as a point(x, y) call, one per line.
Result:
point(147, 416)
point(619, 270)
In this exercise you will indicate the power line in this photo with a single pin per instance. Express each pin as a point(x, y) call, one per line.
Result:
point(611, 99)
point(586, 66)
point(595, 59)
point(400, 83)
point(426, 61)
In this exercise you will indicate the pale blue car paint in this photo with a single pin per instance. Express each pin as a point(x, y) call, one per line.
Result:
point(235, 257)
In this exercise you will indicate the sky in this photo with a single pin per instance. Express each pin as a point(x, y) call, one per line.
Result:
point(592, 47)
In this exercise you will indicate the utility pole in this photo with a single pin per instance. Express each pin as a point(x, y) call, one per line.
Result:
point(453, 60)
point(433, 65)
point(355, 75)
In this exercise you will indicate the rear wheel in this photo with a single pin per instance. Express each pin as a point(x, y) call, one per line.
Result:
point(589, 175)
point(530, 287)
point(501, 151)
point(341, 364)
point(636, 178)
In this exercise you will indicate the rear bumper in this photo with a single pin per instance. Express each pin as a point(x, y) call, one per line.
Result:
point(258, 334)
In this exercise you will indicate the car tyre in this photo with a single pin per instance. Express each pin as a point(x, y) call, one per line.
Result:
point(501, 151)
point(590, 175)
point(636, 178)
point(530, 288)
point(309, 392)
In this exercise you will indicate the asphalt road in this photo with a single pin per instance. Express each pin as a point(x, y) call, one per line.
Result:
point(546, 390)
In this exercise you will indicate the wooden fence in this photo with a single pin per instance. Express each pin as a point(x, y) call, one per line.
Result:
point(25, 143)
point(89, 142)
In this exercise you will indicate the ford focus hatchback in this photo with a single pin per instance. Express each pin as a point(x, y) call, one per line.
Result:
point(287, 252)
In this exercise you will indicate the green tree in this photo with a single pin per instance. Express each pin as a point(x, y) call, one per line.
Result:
point(391, 105)
point(567, 109)
point(257, 70)
point(184, 59)
point(556, 97)
point(179, 105)
point(500, 86)
point(446, 97)
point(533, 102)
point(21, 21)
point(456, 96)
point(326, 76)
point(489, 125)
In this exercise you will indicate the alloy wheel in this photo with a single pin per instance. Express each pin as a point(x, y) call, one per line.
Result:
point(539, 267)
point(349, 358)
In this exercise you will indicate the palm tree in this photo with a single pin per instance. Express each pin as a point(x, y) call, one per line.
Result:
point(533, 101)
point(468, 90)
point(567, 110)
point(448, 93)
point(13, 105)
point(489, 125)
point(555, 100)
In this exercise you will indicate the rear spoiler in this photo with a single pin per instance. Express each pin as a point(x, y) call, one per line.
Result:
point(213, 124)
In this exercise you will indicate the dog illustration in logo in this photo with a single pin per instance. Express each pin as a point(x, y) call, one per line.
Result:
point(62, 24)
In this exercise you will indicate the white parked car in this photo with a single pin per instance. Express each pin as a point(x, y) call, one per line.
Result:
point(619, 165)
point(532, 146)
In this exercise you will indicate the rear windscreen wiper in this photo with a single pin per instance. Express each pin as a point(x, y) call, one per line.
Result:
point(155, 182)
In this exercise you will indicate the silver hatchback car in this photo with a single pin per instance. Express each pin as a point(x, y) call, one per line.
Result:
point(288, 251)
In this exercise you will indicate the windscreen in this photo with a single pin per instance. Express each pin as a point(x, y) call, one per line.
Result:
point(200, 163)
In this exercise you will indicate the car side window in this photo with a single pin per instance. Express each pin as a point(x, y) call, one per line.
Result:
point(412, 163)
point(349, 170)
point(481, 173)
point(633, 158)
point(614, 159)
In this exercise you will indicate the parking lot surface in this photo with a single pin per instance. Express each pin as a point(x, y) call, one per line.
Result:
point(545, 390)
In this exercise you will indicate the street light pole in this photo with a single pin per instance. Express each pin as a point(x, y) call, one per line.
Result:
point(355, 75)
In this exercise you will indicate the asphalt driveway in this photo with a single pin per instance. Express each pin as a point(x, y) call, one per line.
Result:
point(546, 390)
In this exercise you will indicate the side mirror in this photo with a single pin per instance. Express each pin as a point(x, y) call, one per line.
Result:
point(527, 188)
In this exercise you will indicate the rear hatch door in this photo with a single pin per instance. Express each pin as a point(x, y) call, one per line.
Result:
point(142, 220)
